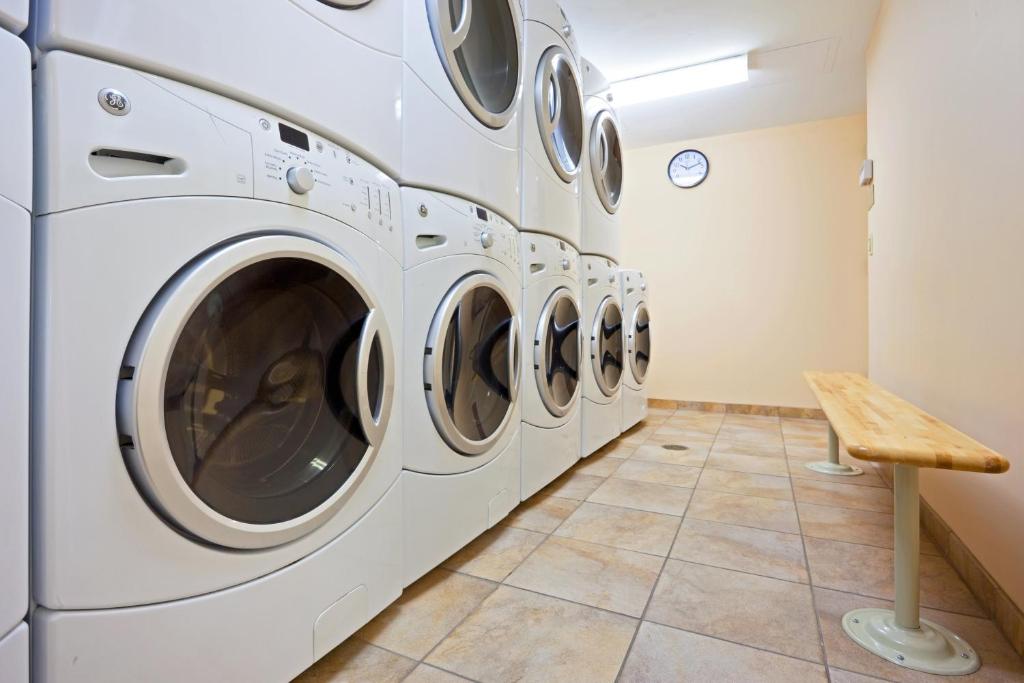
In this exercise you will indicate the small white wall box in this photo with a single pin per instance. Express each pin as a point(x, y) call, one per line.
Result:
point(867, 172)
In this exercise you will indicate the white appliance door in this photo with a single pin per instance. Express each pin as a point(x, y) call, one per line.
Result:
point(478, 44)
point(471, 364)
point(638, 344)
point(559, 105)
point(255, 391)
point(557, 349)
point(606, 160)
point(606, 346)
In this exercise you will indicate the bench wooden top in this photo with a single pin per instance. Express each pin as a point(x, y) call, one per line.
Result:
point(876, 425)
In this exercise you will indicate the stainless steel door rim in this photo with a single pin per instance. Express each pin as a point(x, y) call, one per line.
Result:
point(541, 360)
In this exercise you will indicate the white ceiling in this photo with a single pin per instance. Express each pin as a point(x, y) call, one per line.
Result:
point(806, 59)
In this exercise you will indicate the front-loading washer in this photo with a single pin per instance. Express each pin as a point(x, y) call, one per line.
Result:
point(15, 262)
point(636, 318)
point(601, 408)
point(217, 444)
point(461, 86)
point(552, 124)
point(331, 66)
point(462, 373)
point(602, 170)
point(552, 333)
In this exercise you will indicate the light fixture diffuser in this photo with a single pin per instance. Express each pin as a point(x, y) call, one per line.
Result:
point(687, 79)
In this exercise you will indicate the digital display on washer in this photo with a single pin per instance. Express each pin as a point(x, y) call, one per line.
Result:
point(481, 213)
point(295, 138)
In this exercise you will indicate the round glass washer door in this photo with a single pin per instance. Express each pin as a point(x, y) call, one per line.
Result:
point(606, 346)
point(606, 160)
point(638, 345)
point(556, 352)
point(256, 391)
point(559, 106)
point(471, 364)
point(478, 44)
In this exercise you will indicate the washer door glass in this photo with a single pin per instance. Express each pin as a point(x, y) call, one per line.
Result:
point(557, 351)
point(559, 112)
point(606, 160)
point(606, 346)
point(640, 343)
point(478, 43)
point(472, 364)
point(273, 394)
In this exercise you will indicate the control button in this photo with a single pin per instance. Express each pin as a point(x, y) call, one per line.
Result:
point(300, 180)
point(565, 264)
point(643, 287)
point(611, 278)
point(487, 240)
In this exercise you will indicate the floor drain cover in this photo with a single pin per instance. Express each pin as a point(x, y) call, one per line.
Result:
point(675, 447)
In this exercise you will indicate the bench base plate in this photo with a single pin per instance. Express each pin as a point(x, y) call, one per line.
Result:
point(933, 648)
point(834, 468)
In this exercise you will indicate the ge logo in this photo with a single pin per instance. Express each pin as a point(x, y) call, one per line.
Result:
point(114, 102)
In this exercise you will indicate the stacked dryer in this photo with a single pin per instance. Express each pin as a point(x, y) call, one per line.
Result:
point(637, 321)
point(601, 246)
point(15, 259)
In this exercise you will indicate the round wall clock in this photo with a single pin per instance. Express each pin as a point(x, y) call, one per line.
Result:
point(689, 168)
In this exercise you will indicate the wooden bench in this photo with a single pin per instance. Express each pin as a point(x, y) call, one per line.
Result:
point(877, 426)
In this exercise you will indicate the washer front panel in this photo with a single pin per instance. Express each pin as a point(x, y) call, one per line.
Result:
point(557, 348)
point(471, 364)
point(606, 346)
point(639, 342)
point(256, 391)
point(479, 46)
point(559, 108)
point(606, 160)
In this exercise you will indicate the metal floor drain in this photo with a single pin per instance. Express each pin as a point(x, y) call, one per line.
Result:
point(675, 447)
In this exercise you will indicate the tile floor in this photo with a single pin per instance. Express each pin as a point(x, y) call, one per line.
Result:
point(726, 561)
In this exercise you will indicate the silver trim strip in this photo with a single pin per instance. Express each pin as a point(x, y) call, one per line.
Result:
point(602, 129)
point(638, 375)
point(554, 62)
point(595, 350)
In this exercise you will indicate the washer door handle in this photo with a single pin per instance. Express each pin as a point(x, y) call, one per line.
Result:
point(459, 34)
point(513, 360)
point(374, 425)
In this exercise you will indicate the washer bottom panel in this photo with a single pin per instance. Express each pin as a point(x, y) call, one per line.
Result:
point(444, 512)
point(548, 453)
point(14, 655)
point(600, 423)
point(634, 406)
point(269, 629)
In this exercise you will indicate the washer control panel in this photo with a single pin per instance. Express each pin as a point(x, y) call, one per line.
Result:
point(496, 237)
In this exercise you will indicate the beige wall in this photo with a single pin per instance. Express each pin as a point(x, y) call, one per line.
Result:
point(945, 114)
point(760, 272)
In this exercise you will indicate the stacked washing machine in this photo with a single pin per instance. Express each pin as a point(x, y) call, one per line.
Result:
point(637, 327)
point(15, 259)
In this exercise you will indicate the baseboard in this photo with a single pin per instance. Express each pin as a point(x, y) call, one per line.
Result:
point(738, 408)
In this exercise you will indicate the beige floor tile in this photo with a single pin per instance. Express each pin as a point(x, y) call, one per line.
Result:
point(660, 653)
point(645, 532)
point(692, 456)
point(739, 448)
point(843, 524)
point(678, 439)
point(805, 441)
point(541, 513)
point(704, 424)
point(658, 473)
point(495, 553)
point(843, 495)
point(426, 611)
point(428, 674)
point(355, 660)
point(798, 470)
point(672, 432)
point(746, 483)
point(752, 610)
point(599, 464)
point(755, 464)
point(637, 435)
point(517, 635)
point(729, 508)
point(751, 421)
point(999, 661)
point(642, 495)
point(615, 449)
point(573, 485)
point(609, 578)
point(758, 551)
point(840, 676)
point(751, 435)
point(800, 425)
point(815, 453)
point(867, 570)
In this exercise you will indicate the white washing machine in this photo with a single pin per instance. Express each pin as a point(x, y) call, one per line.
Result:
point(602, 170)
point(13, 15)
point(601, 408)
point(217, 444)
point(637, 321)
point(15, 262)
point(461, 87)
point(461, 384)
point(331, 66)
point(551, 328)
point(552, 124)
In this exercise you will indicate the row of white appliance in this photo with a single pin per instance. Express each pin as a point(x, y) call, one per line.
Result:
point(273, 385)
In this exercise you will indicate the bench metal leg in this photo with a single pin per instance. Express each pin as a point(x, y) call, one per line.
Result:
point(832, 465)
point(900, 635)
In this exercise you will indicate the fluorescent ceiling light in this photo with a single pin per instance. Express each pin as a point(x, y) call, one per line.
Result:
point(687, 79)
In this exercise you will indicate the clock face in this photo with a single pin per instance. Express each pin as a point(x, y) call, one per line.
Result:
point(689, 168)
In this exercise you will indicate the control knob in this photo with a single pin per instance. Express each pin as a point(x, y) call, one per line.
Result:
point(486, 240)
point(565, 264)
point(300, 180)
